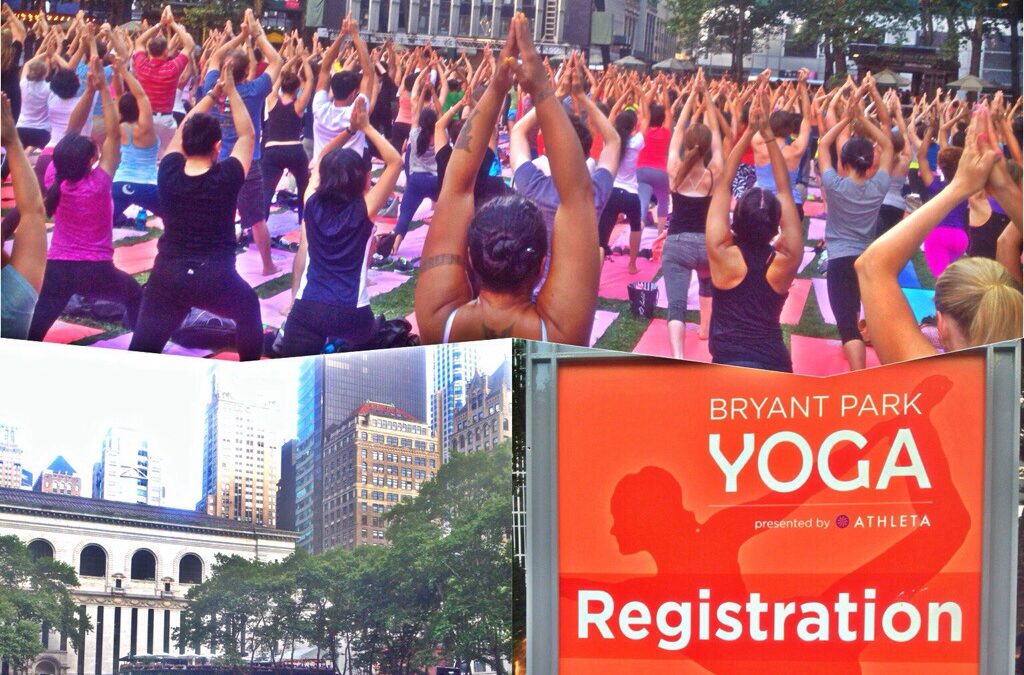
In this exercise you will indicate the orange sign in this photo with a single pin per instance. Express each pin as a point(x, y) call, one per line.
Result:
point(725, 520)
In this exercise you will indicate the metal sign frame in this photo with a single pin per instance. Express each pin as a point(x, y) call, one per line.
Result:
point(999, 546)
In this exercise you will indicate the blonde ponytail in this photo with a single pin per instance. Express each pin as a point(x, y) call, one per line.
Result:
point(982, 298)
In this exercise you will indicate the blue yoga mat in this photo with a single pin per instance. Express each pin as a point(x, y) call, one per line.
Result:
point(922, 302)
point(908, 277)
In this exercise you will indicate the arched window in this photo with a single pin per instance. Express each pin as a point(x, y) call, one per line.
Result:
point(190, 570)
point(92, 562)
point(40, 548)
point(143, 566)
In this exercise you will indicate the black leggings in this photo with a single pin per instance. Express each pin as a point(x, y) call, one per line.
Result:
point(91, 278)
point(620, 201)
point(277, 158)
point(311, 323)
point(844, 296)
point(37, 138)
point(177, 285)
point(400, 134)
point(887, 217)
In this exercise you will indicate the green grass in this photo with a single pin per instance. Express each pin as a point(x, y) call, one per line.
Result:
point(150, 233)
point(274, 286)
point(398, 303)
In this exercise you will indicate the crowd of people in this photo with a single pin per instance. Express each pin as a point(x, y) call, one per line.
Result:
point(97, 119)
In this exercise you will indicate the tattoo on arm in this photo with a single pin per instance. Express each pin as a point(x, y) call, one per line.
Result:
point(542, 95)
point(466, 135)
point(440, 261)
point(497, 334)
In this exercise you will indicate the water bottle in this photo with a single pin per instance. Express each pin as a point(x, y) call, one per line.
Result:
point(140, 220)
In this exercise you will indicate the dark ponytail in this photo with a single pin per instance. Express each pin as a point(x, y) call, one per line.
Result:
point(859, 154)
point(427, 121)
point(625, 122)
point(72, 160)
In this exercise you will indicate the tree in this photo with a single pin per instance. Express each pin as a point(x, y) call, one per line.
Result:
point(461, 525)
point(246, 608)
point(737, 26)
point(35, 593)
point(838, 24)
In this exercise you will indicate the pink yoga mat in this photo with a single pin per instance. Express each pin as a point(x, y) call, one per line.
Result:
point(821, 293)
point(122, 342)
point(135, 258)
point(808, 257)
point(655, 342)
point(615, 276)
point(250, 265)
point(814, 209)
point(412, 244)
point(821, 357)
point(602, 320)
point(273, 308)
point(383, 281)
point(794, 307)
point(816, 228)
point(65, 333)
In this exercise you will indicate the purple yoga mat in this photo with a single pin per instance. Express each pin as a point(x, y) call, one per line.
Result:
point(122, 342)
point(816, 228)
point(272, 308)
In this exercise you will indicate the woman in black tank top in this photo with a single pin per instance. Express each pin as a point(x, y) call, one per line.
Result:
point(282, 136)
point(694, 162)
point(751, 276)
point(986, 224)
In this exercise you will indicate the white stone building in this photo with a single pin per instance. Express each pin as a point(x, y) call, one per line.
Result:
point(135, 564)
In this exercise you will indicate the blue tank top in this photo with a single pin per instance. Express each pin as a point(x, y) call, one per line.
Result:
point(766, 180)
point(337, 233)
point(138, 165)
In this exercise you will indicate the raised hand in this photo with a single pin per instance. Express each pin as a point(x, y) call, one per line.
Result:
point(8, 129)
point(360, 118)
point(979, 155)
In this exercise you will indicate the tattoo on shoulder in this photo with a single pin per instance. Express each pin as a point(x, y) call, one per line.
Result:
point(466, 135)
point(497, 334)
point(440, 261)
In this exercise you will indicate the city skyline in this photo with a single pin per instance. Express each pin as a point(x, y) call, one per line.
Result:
point(166, 399)
point(67, 399)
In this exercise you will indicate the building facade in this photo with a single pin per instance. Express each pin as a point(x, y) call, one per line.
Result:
point(486, 419)
point(378, 458)
point(135, 564)
point(451, 367)
point(127, 471)
point(331, 389)
point(241, 458)
point(59, 478)
point(11, 458)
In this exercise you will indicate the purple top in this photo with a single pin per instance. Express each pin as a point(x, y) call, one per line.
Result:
point(83, 221)
point(958, 217)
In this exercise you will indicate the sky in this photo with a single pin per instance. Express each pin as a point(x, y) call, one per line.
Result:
point(63, 399)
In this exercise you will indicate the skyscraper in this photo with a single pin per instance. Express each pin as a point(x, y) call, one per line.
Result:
point(331, 389)
point(59, 478)
point(11, 457)
point(127, 470)
point(241, 456)
point(451, 367)
point(486, 419)
point(378, 458)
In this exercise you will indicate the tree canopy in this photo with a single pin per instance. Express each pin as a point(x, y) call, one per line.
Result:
point(441, 589)
point(35, 592)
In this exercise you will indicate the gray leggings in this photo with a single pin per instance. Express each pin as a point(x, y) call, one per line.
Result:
point(684, 252)
point(653, 182)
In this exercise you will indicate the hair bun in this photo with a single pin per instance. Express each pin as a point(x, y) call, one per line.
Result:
point(503, 248)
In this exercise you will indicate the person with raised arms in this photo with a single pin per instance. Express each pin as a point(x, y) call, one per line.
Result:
point(195, 262)
point(506, 239)
point(754, 262)
point(977, 300)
